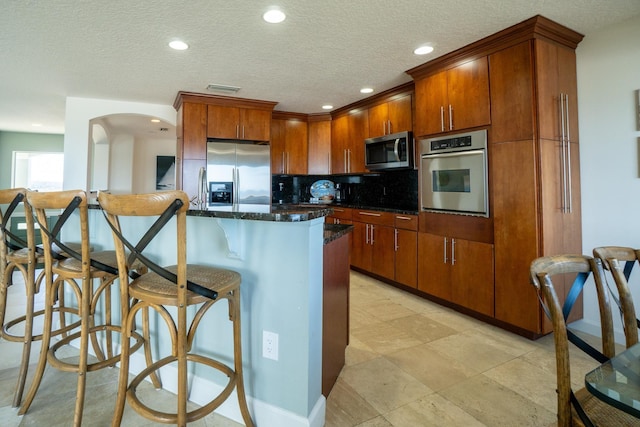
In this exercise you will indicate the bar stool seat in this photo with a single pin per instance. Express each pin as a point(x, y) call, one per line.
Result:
point(177, 287)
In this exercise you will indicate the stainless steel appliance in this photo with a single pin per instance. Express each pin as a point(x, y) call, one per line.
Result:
point(393, 151)
point(238, 173)
point(454, 173)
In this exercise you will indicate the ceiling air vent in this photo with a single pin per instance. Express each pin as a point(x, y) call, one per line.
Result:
point(223, 88)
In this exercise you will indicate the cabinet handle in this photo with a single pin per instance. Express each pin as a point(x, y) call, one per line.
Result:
point(366, 236)
point(329, 163)
point(444, 258)
point(283, 169)
point(453, 251)
point(404, 218)
point(442, 118)
point(389, 127)
point(349, 160)
point(237, 131)
point(372, 234)
point(395, 239)
point(288, 163)
point(450, 117)
point(384, 128)
point(567, 126)
point(344, 152)
point(369, 213)
point(242, 131)
point(338, 210)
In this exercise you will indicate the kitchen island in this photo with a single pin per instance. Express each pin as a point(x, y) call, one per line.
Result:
point(279, 253)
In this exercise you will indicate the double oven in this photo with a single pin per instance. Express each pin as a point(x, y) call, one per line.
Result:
point(454, 174)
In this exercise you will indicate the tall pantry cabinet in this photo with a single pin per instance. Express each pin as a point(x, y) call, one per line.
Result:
point(534, 165)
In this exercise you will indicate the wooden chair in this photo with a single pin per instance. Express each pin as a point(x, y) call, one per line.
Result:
point(620, 261)
point(580, 407)
point(75, 271)
point(178, 286)
point(20, 253)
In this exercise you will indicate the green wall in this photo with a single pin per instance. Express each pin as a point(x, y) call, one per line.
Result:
point(19, 141)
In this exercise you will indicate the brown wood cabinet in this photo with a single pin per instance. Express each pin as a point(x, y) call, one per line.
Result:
point(453, 99)
point(348, 133)
point(406, 250)
point(289, 146)
point(335, 310)
point(319, 145)
point(339, 216)
point(534, 163)
point(238, 123)
point(191, 146)
point(457, 270)
point(202, 116)
point(390, 117)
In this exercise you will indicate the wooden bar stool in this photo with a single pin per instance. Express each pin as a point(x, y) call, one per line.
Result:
point(19, 253)
point(177, 286)
point(75, 272)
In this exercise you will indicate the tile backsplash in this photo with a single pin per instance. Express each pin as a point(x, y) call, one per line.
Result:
point(388, 189)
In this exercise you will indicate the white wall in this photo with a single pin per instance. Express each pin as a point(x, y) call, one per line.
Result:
point(79, 111)
point(608, 75)
point(145, 152)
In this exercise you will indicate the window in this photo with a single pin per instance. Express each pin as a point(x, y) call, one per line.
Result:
point(37, 170)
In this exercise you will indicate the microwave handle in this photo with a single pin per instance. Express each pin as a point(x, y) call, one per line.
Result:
point(395, 149)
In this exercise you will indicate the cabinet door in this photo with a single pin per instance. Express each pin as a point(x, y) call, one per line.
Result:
point(361, 249)
point(339, 137)
point(378, 120)
point(472, 275)
point(431, 98)
point(194, 131)
point(468, 94)
point(278, 146)
point(383, 251)
point(434, 272)
point(512, 105)
point(406, 256)
point(358, 131)
point(223, 122)
point(400, 117)
point(255, 124)
point(296, 147)
point(319, 147)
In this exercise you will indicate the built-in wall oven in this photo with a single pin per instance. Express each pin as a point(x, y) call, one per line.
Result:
point(453, 173)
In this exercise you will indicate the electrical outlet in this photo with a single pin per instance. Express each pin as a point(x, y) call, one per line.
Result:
point(270, 345)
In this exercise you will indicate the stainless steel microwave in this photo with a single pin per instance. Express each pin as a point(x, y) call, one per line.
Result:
point(394, 151)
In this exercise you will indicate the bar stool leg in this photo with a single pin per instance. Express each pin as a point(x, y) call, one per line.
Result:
point(234, 315)
point(28, 339)
point(50, 292)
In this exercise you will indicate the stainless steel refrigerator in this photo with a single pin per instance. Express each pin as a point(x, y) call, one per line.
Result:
point(238, 173)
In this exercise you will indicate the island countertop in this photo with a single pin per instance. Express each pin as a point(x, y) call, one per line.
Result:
point(278, 213)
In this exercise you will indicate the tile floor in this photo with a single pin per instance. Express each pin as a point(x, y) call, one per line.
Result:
point(410, 363)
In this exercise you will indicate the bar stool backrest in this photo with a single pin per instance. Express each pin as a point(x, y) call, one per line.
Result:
point(9, 241)
point(620, 261)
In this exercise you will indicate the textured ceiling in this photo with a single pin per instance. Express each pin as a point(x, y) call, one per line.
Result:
point(324, 52)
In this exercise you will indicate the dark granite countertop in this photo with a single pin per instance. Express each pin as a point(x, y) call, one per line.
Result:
point(278, 213)
point(335, 231)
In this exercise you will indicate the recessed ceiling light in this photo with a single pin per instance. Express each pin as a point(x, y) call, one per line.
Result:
point(178, 45)
point(274, 16)
point(327, 107)
point(155, 120)
point(366, 90)
point(423, 50)
point(37, 125)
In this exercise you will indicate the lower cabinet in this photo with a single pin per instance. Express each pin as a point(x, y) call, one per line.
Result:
point(457, 270)
point(385, 244)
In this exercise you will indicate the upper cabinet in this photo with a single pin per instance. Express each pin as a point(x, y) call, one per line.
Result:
point(348, 133)
point(390, 117)
point(319, 144)
point(289, 145)
point(238, 123)
point(453, 99)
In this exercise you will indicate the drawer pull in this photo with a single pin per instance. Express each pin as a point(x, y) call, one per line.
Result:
point(369, 213)
point(405, 218)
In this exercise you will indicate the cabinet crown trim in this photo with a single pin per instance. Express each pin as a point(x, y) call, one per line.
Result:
point(535, 27)
point(228, 101)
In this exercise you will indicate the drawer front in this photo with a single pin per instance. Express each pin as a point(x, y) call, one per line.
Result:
point(407, 222)
point(373, 217)
point(342, 213)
